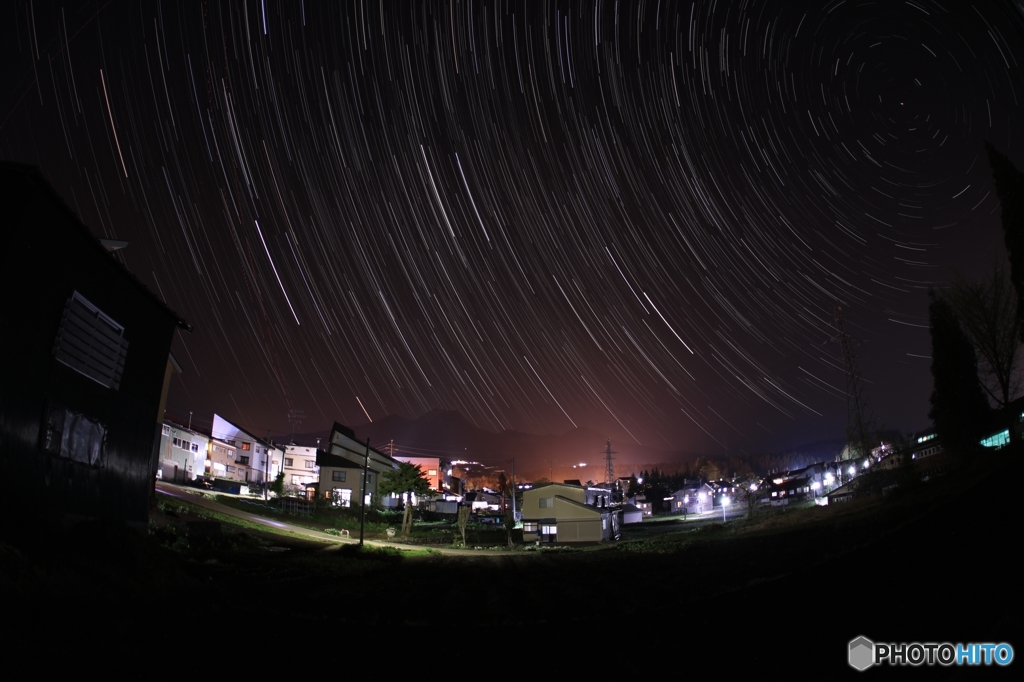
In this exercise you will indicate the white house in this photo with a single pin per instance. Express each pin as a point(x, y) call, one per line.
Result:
point(182, 452)
point(260, 460)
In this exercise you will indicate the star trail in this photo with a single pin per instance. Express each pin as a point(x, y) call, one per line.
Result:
point(635, 217)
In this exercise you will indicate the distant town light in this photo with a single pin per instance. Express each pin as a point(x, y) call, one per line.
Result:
point(853, 470)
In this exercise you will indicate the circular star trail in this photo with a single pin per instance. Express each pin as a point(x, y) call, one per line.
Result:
point(632, 217)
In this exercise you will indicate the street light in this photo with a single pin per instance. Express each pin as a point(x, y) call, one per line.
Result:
point(725, 503)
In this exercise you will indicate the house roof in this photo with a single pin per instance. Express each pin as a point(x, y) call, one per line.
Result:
point(256, 439)
point(34, 177)
point(563, 485)
point(326, 459)
point(589, 508)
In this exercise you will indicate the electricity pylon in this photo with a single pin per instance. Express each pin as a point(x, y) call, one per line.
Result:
point(858, 411)
point(609, 468)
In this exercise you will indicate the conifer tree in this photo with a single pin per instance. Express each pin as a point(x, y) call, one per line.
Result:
point(960, 410)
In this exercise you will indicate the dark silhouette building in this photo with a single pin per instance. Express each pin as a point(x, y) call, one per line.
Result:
point(85, 370)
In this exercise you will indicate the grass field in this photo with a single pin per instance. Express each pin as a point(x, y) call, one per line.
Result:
point(930, 564)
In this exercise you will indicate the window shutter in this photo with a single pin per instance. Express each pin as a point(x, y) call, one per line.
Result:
point(91, 343)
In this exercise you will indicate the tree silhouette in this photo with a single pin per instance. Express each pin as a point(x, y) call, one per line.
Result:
point(406, 480)
point(959, 408)
point(989, 316)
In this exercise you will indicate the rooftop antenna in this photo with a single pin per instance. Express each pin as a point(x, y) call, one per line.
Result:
point(295, 418)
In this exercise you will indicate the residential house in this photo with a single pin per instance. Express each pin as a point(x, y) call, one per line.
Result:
point(300, 467)
point(183, 453)
point(87, 362)
point(722, 490)
point(800, 484)
point(223, 462)
point(641, 502)
point(557, 512)
point(342, 443)
point(341, 479)
point(431, 468)
point(693, 498)
point(483, 500)
point(783, 491)
point(253, 459)
point(631, 514)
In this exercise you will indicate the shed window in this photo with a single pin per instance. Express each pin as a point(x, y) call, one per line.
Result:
point(74, 436)
point(91, 343)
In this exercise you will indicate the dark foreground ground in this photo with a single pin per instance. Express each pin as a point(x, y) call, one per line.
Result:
point(780, 595)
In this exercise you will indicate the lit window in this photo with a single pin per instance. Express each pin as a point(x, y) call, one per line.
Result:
point(529, 527)
point(246, 446)
point(431, 472)
point(549, 530)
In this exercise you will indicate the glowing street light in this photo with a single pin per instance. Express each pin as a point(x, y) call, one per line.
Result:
point(725, 503)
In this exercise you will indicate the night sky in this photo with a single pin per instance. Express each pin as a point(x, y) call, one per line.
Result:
point(630, 216)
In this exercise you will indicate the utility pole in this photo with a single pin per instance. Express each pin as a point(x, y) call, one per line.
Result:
point(362, 505)
point(514, 487)
point(266, 471)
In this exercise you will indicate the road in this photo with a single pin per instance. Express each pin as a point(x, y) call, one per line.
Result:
point(200, 500)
